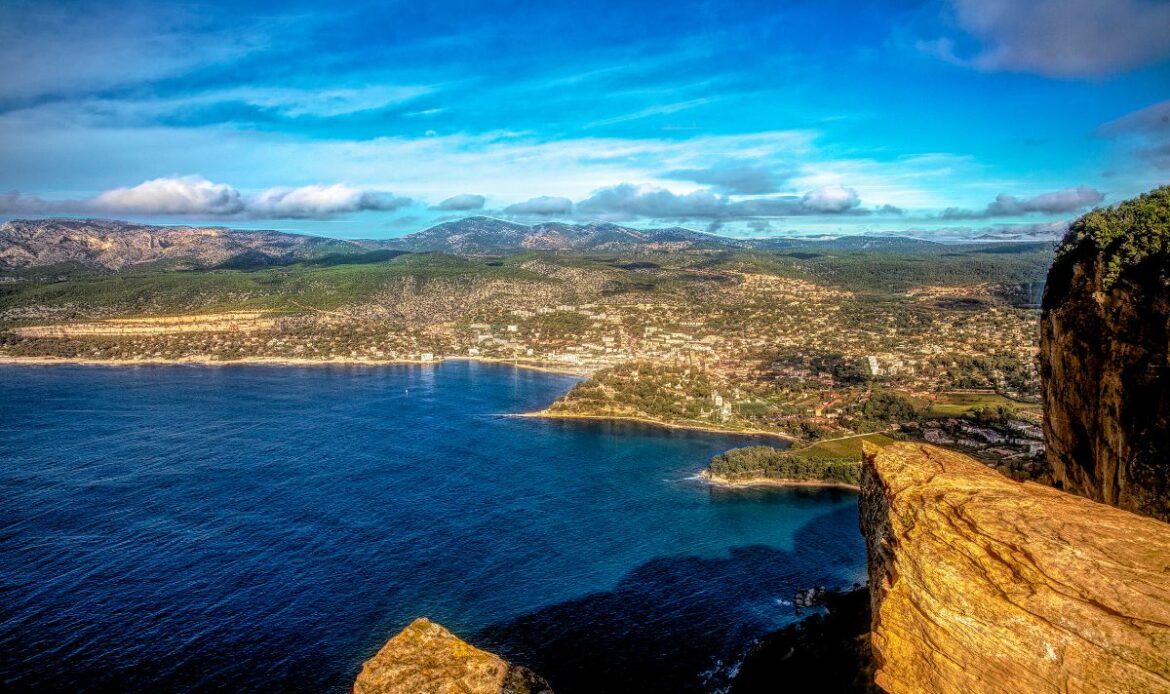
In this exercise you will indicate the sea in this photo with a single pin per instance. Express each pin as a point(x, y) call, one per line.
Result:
point(267, 528)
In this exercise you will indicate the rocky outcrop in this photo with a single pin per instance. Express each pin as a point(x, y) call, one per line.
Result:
point(425, 658)
point(1105, 356)
point(982, 584)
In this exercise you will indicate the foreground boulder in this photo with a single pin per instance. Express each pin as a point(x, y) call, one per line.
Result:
point(982, 584)
point(425, 658)
point(1105, 356)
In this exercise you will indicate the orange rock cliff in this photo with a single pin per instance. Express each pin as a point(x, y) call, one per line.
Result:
point(982, 584)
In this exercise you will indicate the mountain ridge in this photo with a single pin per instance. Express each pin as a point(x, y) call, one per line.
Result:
point(113, 245)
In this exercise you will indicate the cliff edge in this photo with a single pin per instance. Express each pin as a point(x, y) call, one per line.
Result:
point(1105, 356)
point(425, 658)
point(982, 584)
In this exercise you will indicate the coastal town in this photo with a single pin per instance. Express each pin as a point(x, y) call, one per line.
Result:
point(723, 349)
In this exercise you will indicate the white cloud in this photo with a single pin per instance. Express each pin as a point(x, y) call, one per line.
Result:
point(656, 110)
point(184, 195)
point(514, 166)
point(320, 201)
point(319, 102)
point(35, 141)
point(831, 199)
point(629, 201)
point(197, 196)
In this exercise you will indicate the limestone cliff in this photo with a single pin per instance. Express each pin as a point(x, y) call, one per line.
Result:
point(1105, 356)
point(982, 584)
point(425, 658)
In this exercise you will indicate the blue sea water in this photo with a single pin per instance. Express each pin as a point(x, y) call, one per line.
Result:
point(267, 529)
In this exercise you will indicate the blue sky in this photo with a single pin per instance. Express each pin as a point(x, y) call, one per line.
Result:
point(752, 118)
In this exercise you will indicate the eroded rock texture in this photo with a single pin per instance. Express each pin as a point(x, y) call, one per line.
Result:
point(425, 658)
point(1105, 356)
point(982, 584)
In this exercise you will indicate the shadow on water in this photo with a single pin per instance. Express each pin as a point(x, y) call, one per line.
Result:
point(666, 626)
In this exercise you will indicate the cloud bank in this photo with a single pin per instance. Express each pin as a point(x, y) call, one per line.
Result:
point(197, 196)
point(1004, 205)
point(629, 201)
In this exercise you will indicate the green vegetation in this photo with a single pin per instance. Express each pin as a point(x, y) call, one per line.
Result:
point(327, 287)
point(641, 389)
point(888, 407)
point(996, 372)
point(997, 416)
point(335, 280)
point(837, 461)
point(560, 324)
point(844, 448)
point(1124, 235)
point(772, 463)
point(958, 404)
point(896, 271)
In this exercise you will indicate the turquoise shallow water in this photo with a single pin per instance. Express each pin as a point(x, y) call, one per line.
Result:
point(268, 528)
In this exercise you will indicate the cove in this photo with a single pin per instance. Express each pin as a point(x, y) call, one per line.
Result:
point(259, 528)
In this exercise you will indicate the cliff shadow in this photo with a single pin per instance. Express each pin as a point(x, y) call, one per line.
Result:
point(677, 623)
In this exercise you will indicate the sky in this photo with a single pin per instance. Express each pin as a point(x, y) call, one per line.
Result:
point(353, 119)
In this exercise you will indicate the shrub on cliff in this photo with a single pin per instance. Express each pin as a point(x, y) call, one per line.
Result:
point(1125, 235)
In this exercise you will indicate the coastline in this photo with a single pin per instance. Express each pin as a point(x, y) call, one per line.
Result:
point(562, 371)
point(272, 361)
point(545, 414)
point(350, 361)
point(717, 481)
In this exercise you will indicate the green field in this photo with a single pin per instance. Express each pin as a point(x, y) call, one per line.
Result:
point(958, 404)
point(842, 448)
point(321, 286)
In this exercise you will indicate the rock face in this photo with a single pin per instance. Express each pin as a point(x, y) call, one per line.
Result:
point(1105, 356)
point(982, 584)
point(425, 658)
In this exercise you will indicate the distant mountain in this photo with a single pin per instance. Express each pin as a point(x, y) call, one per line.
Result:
point(111, 245)
point(475, 235)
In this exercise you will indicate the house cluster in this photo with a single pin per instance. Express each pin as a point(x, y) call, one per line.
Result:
point(1013, 440)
